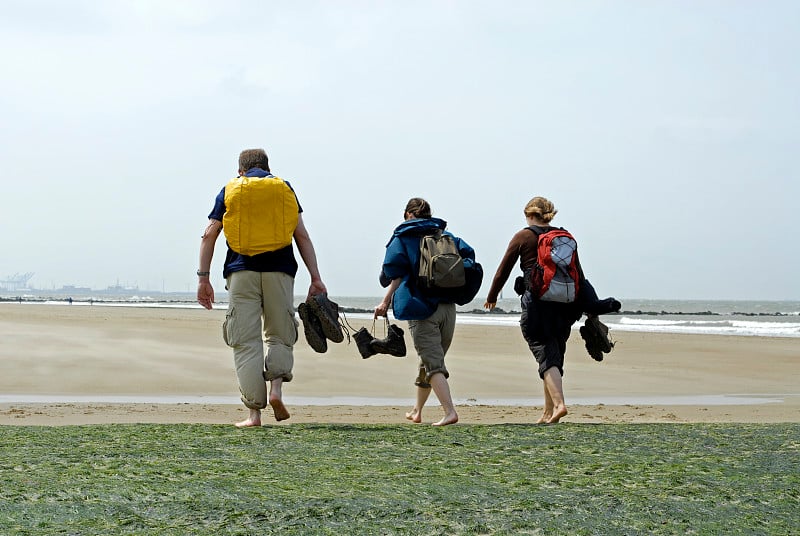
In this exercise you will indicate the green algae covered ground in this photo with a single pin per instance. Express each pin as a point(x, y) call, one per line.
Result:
point(401, 479)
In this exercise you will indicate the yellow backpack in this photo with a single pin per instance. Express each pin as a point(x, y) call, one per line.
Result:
point(261, 214)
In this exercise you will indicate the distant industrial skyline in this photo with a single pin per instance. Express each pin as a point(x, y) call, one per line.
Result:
point(20, 281)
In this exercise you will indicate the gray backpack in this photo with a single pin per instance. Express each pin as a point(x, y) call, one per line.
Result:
point(440, 263)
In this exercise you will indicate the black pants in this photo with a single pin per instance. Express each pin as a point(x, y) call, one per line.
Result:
point(546, 327)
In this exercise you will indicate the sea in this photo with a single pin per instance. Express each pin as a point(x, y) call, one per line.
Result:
point(703, 317)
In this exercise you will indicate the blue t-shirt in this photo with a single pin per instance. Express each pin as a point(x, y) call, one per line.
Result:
point(280, 260)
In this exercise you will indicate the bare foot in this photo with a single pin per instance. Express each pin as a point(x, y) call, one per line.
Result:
point(281, 413)
point(450, 418)
point(558, 412)
point(414, 415)
point(545, 417)
point(253, 420)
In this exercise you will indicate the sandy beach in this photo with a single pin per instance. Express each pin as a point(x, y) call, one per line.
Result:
point(64, 365)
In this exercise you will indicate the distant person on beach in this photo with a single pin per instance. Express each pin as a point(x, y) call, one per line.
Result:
point(259, 270)
point(431, 320)
point(545, 324)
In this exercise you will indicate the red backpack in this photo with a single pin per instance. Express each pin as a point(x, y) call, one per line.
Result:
point(556, 276)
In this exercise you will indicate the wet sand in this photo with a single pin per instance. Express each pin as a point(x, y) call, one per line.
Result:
point(62, 365)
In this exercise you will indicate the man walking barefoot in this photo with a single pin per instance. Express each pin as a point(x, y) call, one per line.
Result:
point(261, 218)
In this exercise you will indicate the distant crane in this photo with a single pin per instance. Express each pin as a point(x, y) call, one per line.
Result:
point(16, 282)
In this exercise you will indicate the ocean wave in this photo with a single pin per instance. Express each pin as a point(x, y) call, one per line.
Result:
point(706, 327)
point(659, 322)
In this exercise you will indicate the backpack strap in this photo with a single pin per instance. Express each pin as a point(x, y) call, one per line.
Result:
point(539, 230)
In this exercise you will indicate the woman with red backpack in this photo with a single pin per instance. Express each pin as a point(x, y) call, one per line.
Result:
point(554, 295)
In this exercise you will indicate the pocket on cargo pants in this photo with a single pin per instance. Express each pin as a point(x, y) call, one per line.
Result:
point(228, 328)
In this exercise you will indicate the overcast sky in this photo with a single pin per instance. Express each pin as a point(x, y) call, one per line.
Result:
point(666, 134)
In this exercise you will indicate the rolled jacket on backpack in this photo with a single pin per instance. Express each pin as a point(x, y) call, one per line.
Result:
point(591, 304)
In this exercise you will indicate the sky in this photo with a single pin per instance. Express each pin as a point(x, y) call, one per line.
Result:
point(665, 132)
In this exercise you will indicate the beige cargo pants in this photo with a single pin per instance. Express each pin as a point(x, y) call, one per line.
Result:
point(260, 302)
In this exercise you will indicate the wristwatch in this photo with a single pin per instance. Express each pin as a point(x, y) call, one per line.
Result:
point(203, 274)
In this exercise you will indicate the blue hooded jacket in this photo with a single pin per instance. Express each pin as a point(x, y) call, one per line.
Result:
point(402, 261)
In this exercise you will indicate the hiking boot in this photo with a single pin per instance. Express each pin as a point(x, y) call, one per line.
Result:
point(328, 314)
point(312, 327)
point(363, 339)
point(595, 334)
point(394, 343)
point(422, 378)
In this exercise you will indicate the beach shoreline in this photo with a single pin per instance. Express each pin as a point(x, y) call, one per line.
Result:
point(68, 414)
point(151, 355)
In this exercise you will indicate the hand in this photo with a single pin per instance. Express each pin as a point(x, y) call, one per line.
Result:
point(205, 293)
point(490, 305)
point(316, 287)
point(381, 310)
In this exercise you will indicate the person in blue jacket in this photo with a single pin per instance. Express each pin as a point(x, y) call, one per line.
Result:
point(431, 320)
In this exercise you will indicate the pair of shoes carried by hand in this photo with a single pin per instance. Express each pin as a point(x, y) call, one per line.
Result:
point(328, 313)
point(595, 335)
point(312, 328)
point(320, 318)
point(393, 344)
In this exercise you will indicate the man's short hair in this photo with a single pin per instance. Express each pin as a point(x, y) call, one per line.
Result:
point(253, 158)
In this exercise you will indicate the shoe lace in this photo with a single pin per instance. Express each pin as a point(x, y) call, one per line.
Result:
point(345, 325)
point(385, 327)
